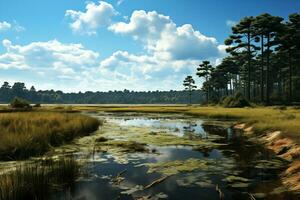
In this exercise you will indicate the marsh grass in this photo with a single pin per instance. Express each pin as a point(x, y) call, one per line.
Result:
point(285, 119)
point(38, 180)
point(25, 134)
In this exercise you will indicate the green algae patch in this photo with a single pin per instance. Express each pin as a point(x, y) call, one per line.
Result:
point(148, 136)
point(270, 164)
point(165, 139)
point(232, 179)
point(237, 181)
point(127, 146)
point(239, 185)
point(178, 166)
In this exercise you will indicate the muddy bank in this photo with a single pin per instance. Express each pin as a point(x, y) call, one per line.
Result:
point(284, 148)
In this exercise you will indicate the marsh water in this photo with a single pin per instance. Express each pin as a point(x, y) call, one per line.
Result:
point(235, 167)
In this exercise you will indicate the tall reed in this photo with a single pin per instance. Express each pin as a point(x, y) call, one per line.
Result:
point(38, 180)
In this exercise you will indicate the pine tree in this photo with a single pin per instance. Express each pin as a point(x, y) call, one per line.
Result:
point(189, 85)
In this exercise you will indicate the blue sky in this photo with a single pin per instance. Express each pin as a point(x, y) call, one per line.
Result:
point(114, 45)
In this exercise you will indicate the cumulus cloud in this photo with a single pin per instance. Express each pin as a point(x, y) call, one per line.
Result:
point(146, 71)
point(161, 36)
point(170, 53)
point(51, 55)
point(93, 18)
point(4, 26)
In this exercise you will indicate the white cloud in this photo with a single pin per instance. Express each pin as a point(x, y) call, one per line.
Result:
point(93, 18)
point(146, 71)
point(53, 64)
point(231, 23)
point(50, 55)
point(161, 36)
point(171, 52)
point(4, 26)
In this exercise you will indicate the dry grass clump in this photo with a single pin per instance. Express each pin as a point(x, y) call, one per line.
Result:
point(33, 133)
point(38, 180)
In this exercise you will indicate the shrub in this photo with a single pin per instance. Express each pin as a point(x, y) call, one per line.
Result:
point(19, 103)
point(236, 101)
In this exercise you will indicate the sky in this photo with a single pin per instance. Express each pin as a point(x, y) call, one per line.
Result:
point(76, 45)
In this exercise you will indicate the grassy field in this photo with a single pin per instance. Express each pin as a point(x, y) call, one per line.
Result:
point(285, 119)
point(25, 134)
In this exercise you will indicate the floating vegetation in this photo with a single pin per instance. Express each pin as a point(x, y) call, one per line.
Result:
point(259, 195)
point(232, 179)
point(239, 185)
point(270, 164)
point(148, 136)
point(178, 166)
point(126, 146)
point(205, 184)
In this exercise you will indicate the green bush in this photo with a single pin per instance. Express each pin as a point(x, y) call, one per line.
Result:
point(19, 103)
point(236, 101)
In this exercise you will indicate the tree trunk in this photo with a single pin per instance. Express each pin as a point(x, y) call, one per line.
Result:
point(190, 97)
point(279, 85)
point(249, 65)
point(290, 78)
point(226, 89)
point(262, 70)
point(207, 90)
point(267, 72)
point(254, 90)
point(231, 89)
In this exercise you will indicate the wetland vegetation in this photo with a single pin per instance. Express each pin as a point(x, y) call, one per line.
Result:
point(136, 154)
point(25, 134)
point(38, 179)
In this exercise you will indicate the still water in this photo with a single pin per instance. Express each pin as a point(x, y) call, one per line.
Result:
point(237, 168)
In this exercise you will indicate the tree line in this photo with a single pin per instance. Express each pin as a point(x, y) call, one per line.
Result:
point(18, 89)
point(263, 62)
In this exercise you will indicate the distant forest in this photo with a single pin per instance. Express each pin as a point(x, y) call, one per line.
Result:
point(8, 93)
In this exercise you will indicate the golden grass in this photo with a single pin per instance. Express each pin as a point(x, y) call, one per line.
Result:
point(263, 118)
point(25, 134)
